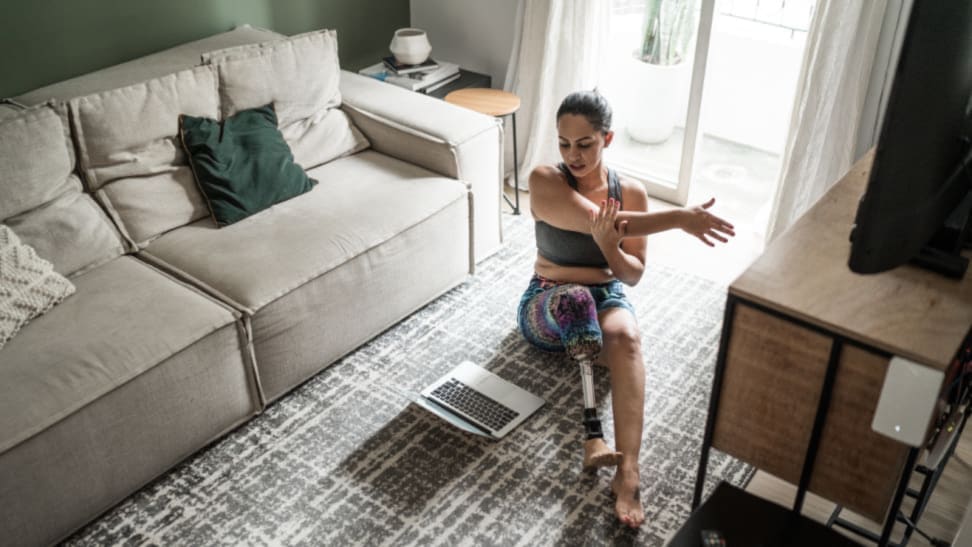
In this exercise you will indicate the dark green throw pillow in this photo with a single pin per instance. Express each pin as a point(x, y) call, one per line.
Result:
point(243, 164)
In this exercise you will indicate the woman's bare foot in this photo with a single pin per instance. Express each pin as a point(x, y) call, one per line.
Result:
point(598, 454)
point(628, 504)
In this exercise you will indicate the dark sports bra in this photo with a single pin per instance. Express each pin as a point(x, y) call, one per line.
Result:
point(570, 248)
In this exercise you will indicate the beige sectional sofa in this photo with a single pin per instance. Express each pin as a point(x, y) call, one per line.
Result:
point(178, 331)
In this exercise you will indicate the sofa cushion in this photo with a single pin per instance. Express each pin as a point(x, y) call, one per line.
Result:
point(81, 466)
point(242, 164)
point(29, 286)
point(154, 204)
point(300, 76)
point(35, 160)
point(130, 135)
point(7, 110)
point(71, 231)
point(41, 199)
point(362, 201)
point(97, 340)
point(131, 131)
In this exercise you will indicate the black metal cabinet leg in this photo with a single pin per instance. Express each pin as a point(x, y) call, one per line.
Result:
point(714, 400)
point(898, 496)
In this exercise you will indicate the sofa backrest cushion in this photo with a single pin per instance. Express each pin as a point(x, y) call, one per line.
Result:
point(35, 160)
point(300, 76)
point(7, 110)
point(242, 164)
point(41, 198)
point(128, 150)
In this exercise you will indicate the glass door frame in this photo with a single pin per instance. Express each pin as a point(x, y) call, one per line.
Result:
point(678, 194)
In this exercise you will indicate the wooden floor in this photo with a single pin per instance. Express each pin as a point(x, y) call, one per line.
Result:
point(942, 516)
point(723, 264)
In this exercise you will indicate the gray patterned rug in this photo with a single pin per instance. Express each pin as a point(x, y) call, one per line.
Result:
point(346, 459)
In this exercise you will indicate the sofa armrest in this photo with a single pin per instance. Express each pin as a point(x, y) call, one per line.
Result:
point(450, 140)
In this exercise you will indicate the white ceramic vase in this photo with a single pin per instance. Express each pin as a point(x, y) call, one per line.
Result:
point(660, 98)
point(410, 46)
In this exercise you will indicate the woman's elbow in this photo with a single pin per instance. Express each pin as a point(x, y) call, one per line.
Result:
point(632, 278)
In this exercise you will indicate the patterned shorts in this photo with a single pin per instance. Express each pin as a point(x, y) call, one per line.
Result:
point(562, 317)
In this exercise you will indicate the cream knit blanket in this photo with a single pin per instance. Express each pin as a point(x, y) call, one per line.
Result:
point(29, 286)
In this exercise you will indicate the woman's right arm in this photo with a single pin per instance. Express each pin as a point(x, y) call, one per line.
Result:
point(553, 201)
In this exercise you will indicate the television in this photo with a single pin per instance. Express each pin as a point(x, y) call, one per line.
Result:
point(916, 204)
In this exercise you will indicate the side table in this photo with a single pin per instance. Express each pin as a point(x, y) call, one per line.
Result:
point(497, 103)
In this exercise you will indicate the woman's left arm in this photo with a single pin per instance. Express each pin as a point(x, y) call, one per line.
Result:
point(695, 220)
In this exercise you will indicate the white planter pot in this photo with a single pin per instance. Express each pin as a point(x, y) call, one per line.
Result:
point(410, 46)
point(660, 92)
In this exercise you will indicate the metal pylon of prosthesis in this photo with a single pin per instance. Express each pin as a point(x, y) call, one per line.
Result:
point(592, 423)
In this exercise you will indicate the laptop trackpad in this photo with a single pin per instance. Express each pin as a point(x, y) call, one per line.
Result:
point(495, 387)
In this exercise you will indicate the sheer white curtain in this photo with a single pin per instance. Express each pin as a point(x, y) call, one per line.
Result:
point(827, 110)
point(559, 49)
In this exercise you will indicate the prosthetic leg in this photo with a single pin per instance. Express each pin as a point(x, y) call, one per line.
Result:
point(596, 451)
point(573, 308)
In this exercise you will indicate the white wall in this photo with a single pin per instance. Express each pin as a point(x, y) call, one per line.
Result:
point(476, 34)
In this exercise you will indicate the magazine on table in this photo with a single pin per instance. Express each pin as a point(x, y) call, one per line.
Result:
point(402, 68)
point(441, 83)
point(417, 81)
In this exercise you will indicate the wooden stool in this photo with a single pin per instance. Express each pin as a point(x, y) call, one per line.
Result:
point(497, 103)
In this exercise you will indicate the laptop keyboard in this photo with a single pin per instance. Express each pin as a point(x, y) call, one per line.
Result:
point(474, 405)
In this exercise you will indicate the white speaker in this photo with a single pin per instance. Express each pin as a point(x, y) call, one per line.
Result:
point(907, 401)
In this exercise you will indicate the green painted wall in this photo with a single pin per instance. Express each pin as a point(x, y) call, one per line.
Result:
point(45, 41)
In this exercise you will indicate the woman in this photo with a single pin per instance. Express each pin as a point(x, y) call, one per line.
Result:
point(590, 228)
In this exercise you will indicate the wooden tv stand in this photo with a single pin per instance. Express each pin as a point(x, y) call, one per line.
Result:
point(804, 351)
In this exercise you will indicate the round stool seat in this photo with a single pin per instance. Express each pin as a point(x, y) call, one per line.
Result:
point(493, 102)
point(496, 103)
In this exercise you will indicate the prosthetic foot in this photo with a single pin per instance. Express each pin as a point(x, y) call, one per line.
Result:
point(596, 451)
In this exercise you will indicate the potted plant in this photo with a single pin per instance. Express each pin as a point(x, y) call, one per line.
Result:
point(661, 67)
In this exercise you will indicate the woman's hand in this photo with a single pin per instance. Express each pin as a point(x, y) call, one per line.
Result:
point(699, 222)
point(606, 234)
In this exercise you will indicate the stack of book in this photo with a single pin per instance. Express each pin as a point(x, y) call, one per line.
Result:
point(424, 77)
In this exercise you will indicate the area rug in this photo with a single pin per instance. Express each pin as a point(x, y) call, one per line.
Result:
point(347, 459)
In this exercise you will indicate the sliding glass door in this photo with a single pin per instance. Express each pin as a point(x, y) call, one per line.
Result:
point(654, 78)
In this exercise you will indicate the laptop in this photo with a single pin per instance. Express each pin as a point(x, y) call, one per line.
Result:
point(478, 401)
